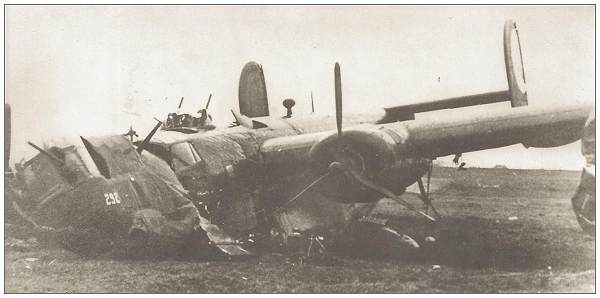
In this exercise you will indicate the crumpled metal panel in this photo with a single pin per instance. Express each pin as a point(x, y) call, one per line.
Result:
point(229, 195)
point(247, 141)
point(39, 177)
point(160, 168)
point(118, 153)
point(236, 214)
point(315, 213)
point(141, 206)
point(221, 239)
point(218, 152)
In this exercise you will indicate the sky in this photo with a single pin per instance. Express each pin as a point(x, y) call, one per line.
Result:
point(90, 70)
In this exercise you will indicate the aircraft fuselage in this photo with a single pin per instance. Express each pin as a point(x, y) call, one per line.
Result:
point(237, 173)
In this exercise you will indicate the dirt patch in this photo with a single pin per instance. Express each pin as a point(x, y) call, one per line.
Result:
point(518, 237)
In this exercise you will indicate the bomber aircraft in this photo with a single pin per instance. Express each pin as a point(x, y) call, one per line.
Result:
point(274, 182)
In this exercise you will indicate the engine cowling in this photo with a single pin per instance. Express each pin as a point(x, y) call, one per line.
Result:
point(372, 153)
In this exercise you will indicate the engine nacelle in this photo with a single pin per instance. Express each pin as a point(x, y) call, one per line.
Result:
point(371, 152)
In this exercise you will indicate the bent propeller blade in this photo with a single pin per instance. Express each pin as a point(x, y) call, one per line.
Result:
point(386, 192)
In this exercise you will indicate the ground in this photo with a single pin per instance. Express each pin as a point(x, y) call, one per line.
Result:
point(503, 231)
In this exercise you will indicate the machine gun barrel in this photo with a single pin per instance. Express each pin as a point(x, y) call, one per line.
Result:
point(208, 102)
point(145, 142)
point(52, 156)
point(180, 103)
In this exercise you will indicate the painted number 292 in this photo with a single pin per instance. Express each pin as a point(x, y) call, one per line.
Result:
point(112, 198)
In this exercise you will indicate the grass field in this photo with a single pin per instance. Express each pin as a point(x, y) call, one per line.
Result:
point(477, 249)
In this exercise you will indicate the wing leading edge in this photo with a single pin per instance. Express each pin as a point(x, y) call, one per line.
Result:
point(430, 138)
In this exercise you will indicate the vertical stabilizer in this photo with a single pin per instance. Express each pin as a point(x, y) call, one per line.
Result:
point(7, 131)
point(253, 92)
point(515, 70)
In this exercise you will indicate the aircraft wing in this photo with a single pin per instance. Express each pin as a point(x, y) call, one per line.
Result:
point(435, 137)
point(530, 126)
point(382, 159)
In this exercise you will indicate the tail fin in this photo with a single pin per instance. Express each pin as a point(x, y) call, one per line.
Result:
point(253, 92)
point(6, 137)
point(515, 70)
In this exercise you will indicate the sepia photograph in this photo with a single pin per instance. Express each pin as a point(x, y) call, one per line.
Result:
point(254, 148)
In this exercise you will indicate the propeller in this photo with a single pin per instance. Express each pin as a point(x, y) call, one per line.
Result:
point(338, 98)
point(346, 165)
point(386, 192)
point(348, 161)
point(312, 102)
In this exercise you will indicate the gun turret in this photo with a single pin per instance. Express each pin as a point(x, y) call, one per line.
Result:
point(186, 123)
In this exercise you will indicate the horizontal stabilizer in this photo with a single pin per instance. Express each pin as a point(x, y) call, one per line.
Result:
point(516, 93)
point(407, 112)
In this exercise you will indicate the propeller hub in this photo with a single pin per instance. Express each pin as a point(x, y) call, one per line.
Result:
point(361, 152)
